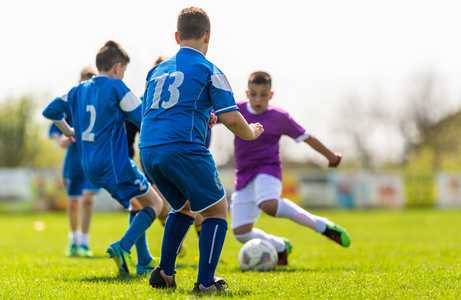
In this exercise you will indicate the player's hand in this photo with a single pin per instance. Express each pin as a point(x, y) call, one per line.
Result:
point(70, 134)
point(212, 121)
point(336, 162)
point(65, 143)
point(257, 129)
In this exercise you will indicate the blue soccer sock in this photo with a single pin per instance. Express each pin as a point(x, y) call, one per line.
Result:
point(211, 241)
point(141, 222)
point(176, 227)
point(142, 248)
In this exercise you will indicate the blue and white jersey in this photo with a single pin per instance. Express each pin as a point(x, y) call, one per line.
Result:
point(99, 107)
point(180, 94)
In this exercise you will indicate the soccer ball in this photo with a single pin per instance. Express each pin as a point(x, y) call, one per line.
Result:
point(258, 255)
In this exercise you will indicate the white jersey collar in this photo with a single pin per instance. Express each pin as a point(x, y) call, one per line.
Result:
point(251, 111)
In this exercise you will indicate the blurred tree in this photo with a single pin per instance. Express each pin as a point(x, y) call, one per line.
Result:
point(441, 148)
point(425, 105)
point(18, 135)
point(360, 123)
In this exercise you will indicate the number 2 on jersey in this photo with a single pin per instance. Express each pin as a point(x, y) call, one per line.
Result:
point(172, 88)
point(87, 135)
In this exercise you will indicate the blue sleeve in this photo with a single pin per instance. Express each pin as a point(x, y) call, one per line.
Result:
point(130, 104)
point(54, 130)
point(221, 94)
point(57, 109)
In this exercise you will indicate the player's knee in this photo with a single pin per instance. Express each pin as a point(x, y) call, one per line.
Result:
point(242, 230)
point(269, 207)
point(87, 201)
point(72, 204)
point(150, 211)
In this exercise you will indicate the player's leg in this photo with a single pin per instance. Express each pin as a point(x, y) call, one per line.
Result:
point(198, 224)
point(211, 242)
point(244, 213)
point(278, 207)
point(73, 205)
point(87, 212)
point(73, 191)
point(177, 226)
point(192, 170)
point(145, 261)
point(152, 205)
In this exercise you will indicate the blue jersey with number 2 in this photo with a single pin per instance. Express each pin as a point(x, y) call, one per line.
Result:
point(99, 107)
point(180, 94)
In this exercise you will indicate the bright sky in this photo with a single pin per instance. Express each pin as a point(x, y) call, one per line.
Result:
point(316, 51)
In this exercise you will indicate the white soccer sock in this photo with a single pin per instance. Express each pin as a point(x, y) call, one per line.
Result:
point(74, 237)
point(255, 233)
point(289, 210)
point(84, 239)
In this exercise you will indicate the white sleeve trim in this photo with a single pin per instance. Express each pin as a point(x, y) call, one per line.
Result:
point(303, 137)
point(223, 109)
point(63, 97)
point(129, 102)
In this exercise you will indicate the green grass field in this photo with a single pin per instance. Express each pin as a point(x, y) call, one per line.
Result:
point(394, 254)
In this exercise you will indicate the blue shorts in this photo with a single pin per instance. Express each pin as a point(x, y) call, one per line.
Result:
point(75, 186)
point(123, 192)
point(182, 172)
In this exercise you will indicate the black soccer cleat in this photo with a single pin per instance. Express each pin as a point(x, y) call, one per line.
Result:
point(218, 285)
point(159, 280)
point(337, 233)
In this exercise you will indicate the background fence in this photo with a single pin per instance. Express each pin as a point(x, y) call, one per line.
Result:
point(42, 189)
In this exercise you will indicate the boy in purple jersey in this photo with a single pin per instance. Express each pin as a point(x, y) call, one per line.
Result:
point(258, 182)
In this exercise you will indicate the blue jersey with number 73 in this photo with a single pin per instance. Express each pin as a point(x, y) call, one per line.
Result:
point(180, 94)
point(99, 107)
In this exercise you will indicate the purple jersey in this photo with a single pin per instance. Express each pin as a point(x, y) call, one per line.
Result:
point(262, 155)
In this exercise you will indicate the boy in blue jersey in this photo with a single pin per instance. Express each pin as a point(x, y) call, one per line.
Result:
point(77, 186)
point(99, 107)
point(180, 95)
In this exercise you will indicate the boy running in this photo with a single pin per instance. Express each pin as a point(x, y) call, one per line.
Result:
point(99, 108)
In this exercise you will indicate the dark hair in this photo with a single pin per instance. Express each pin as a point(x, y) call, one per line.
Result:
point(193, 23)
point(87, 73)
point(159, 60)
point(260, 77)
point(109, 55)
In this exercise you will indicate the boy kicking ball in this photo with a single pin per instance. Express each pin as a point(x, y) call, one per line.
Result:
point(258, 185)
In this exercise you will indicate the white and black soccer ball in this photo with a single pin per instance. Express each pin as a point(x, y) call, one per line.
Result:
point(258, 255)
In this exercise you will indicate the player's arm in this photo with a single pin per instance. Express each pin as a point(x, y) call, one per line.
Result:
point(65, 129)
point(333, 158)
point(58, 137)
point(236, 123)
point(61, 141)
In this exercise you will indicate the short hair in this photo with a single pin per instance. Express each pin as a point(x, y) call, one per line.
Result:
point(109, 55)
point(160, 59)
point(87, 73)
point(260, 77)
point(193, 23)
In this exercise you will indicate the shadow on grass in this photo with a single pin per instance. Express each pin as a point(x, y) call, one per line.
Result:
point(277, 270)
point(114, 279)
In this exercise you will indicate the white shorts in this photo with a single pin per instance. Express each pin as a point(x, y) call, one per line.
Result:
point(244, 205)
